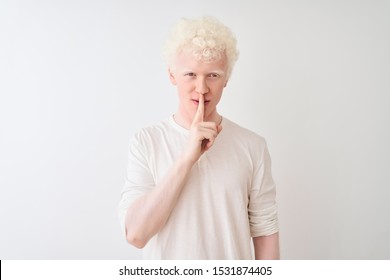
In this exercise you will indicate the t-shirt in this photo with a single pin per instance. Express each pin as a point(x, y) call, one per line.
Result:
point(229, 196)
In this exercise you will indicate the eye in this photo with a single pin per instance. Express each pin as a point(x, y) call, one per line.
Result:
point(190, 74)
point(214, 75)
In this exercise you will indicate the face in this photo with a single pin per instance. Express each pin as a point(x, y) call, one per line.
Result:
point(192, 78)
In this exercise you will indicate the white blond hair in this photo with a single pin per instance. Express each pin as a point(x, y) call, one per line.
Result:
point(207, 38)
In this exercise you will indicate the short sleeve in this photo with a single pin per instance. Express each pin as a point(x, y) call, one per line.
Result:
point(138, 179)
point(263, 217)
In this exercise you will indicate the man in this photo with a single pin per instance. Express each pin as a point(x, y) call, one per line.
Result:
point(199, 186)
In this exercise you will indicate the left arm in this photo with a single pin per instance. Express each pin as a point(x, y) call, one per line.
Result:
point(267, 247)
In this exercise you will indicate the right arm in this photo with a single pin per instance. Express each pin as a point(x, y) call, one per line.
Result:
point(148, 214)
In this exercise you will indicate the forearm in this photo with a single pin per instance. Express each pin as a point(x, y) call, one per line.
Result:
point(267, 247)
point(148, 214)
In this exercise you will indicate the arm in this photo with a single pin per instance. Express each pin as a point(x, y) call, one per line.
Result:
point(263, 211)
point(148, 214)
point(267, 247)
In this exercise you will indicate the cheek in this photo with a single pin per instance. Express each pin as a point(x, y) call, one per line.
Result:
point(184, 90)
point(187, 87)
point(218, 88)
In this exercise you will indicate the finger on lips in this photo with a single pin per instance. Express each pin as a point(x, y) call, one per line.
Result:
point(208, 130)
point(199, 115)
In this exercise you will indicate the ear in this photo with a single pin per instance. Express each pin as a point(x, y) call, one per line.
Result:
point(172, 77)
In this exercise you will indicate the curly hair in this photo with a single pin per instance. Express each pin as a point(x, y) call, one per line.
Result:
point(207, 38)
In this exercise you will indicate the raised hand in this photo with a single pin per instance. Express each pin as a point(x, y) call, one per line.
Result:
point(202, 134)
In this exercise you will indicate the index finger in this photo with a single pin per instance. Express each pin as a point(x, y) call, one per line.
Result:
point(200, 112)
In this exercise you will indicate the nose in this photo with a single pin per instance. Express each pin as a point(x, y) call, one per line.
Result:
point(201, 86)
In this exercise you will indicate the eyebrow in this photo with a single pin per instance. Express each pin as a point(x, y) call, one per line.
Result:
point(219, 72)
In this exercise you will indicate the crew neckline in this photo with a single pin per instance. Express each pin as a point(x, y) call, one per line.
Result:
point(177, 126)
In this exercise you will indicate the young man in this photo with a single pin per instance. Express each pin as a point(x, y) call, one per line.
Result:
point(199, 186)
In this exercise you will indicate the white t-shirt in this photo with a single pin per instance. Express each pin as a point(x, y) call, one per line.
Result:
point(228, 198)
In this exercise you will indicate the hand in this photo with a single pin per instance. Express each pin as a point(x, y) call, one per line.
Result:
point(202, 134)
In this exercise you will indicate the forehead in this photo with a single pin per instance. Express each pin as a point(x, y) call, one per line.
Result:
point(185, 60)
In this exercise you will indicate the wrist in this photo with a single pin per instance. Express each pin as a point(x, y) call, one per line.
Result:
point(186, 161)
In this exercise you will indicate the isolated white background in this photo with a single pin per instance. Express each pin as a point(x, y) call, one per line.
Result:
point(78, 77)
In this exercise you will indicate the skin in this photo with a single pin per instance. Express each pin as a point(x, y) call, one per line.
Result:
point(200, 86)
point(195, 78)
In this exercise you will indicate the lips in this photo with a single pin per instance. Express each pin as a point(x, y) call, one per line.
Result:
point(197, 101)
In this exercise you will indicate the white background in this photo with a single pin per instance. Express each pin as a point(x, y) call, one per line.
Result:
point(78, 77)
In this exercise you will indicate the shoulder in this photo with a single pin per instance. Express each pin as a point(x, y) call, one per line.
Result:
point(153, 133)
point(150, 131)
point(242, 134)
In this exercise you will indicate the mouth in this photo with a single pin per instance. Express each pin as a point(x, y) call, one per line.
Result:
point(196, 101)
